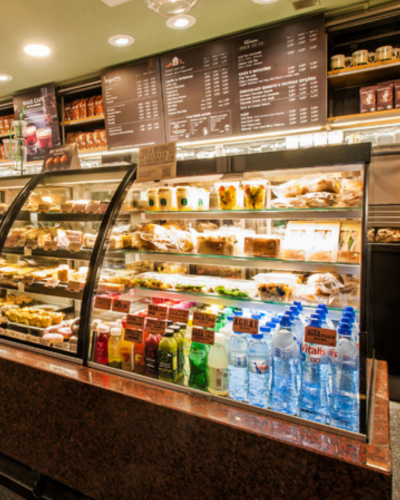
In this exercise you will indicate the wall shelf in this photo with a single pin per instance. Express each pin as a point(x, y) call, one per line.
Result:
point(364, 75)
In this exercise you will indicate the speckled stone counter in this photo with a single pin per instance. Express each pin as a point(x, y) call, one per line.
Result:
point(114, 438)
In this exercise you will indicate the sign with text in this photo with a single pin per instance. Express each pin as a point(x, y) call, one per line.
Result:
point(51, 283)
point(203, 336)
point(321, 336)
point(74, 286)
point(40, 111)
point(31, 244)
point(157, 162)
point(122, 306)
point(155, 326)
point(74, 247)
point(158, 312)
point(178, 315)
point(134, 336)
point(206, 320)
point(245, 325)
point(61, 158)
point(135, 322)
point(102, 303)
point(28, 280)
point(133, 105)
point(50, 246)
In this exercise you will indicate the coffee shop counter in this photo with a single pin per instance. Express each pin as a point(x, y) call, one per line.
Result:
point(114, 438)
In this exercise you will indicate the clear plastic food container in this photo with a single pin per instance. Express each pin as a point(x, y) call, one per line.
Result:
point(203, 199)
point(236, 289)
point(166, 199)
point(230, 195)
point(254, 195)
point(152, 199)
point(186, 198)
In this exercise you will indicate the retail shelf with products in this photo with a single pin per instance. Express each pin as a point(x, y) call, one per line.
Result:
point(46, 254)
point(250, 259)
point(361, 120)
point(365, 74)
point(81, 121)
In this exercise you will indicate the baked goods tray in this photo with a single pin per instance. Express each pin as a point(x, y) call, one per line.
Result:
point(327, 213)
point(249, 262)
point(278, 307)
point(58, 217)
point(84, 254)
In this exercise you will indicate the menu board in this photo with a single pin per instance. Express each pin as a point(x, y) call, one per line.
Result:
point(281, 77)
point(40, 112)
point(198, 92)
point(133, 105)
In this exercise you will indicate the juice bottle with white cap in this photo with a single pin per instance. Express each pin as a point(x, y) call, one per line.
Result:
point(218, 363)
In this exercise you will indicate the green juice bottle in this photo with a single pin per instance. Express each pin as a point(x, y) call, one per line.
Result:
point(179, 342)
point(198, 366)
point(168, 358)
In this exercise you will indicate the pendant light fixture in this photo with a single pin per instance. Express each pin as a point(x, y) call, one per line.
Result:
point(169, 8)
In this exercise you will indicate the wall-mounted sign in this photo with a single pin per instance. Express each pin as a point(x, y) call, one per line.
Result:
point(133, 105)
point(156, 162)
point(61, 158)
point(40, 111)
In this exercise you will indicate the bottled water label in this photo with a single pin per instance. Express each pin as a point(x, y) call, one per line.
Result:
point(284, 353)
point(238, 360)
point(259, 366)
point(312, 353)
point(219, 379)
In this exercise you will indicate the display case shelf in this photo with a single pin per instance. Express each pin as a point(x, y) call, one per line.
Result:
point(331, 213)
point(364, 75)
point(58, 217)
point(38, 287)
point(259, 305)
point(81, 121)
point(249, 262)
point(360, 120)
point(56, 254)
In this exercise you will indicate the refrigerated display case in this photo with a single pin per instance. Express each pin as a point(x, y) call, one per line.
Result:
point(229, 245)
point(48, 239)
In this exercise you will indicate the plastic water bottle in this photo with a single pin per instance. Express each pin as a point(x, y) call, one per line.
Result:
point(238, 375)
point(313, 400)
point(343, 364)
point(258, 368)
point(351, 318)
point(297, 323)
point(285, 360)
point(329, 322)
point(266, 331)
point(227, 330)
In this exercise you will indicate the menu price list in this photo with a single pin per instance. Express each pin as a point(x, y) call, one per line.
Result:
point(133, 105)
point(198, 92)
point(281, 77)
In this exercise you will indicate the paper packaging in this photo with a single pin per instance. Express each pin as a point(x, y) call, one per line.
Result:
point(349, 251)
point(396, 91)
point(368, 99)
point(384, 96)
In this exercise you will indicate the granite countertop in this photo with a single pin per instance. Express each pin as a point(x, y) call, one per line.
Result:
point(374, 455)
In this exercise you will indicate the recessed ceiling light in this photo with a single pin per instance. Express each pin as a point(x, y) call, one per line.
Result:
point(121, 40)
point(5, 78)
point(265, 1)
point(37, 50)
point(180, 22)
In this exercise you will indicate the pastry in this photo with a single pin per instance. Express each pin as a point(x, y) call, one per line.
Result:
point(53, 337)
point(62, 273)
point(75, 236)
point(114, 287)
point(262, 246)
point(318, 199)
point(216, 245)
point(322, 184)
point(89, 240)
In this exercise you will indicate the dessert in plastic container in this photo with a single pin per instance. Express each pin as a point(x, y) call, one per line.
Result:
point(152, 199)
point(166, 199)
point(186, 198)
point(230, 195)
point(203, 199)
point(276, 287)
point(193, 284)
point(236, 289)
point(262, 246)
point(156, 238)
point(153, 281)
point(216, 243)
point(254, 195)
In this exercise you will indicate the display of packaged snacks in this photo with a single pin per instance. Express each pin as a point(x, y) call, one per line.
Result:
point(320, 184)
point(371, 235)
point(83, 108)
point(91, 106)
point(153, 281)
point(203, 199)
point(352, 192)
point(156, 238)
point(320, 200)
point(349, 250)
point(254, 195)
point(326, 283)
point(230, 195)
point(236, 289)
point(387, 235)
point(290, 189)
point(368, 99)
point(276, 287)
point(98, 106)
point(324, 244)
point(262, 246)
point(296, 241)
point(216, 243)
point(384, 96)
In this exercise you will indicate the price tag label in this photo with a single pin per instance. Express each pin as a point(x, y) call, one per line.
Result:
point(74, 247)
point(66, 208)
point(28, 280)
point(321, 336)
point(33, 339)
point(31, 244)
point(101, 287)
point(11, 241)
point(50, 245)
point(122, 306)
point(20, 336)
point(178, 315)
point(60, 345)
point(10, 333)
point(51, 283)
point(135, 322)
point(74, 286)
point(134, 336)
point(158, 312)
point(73, 347)
point(79, 207)
point(102, 303)
point(203, 336)
point(92, 208)
point(43, 208)
point(155, 326)
point(4, 278)
point(206, 320)
point(245, 325)
point(44, 342)
point(103, 208)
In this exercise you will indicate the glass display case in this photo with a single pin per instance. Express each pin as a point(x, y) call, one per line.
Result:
point(243, 278)
point(47, 242)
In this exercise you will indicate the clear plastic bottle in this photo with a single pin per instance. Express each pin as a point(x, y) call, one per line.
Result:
point(227, 331)
point(285, 360)
point(344, 368)
point(198, 366)
point(114, 348)
point(328, 321)
point(101, 347)
point(259, 373)
point(218, 362)
point(313, 400)
point(238, 375)
point(187, 343)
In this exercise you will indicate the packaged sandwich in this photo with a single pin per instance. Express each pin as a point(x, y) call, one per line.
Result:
point(352, 193)
point(349, 250)
point(290, 189)
point(387, 235)
point(323, 246)
point(371, 235)
point(297, 239)
point(156, 238)
point(320, 199)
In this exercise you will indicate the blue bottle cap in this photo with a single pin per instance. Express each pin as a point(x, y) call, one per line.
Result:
point(295, 311)
point(238, 313)
point(316, 323)
point(322, 307)
point(344, 332)
point(230, 317)
point(265, 329)
point(349, 308)
point(298, 304)
point(239, 333)
point(262, 314)
point(344, 324)
point(349, 317)
point(256, 316)
point(286, 323)
point(275, 320)
point(257, 336)
point(315, 317)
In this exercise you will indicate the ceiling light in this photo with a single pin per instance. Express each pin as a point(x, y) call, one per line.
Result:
point(265, 1)
point(37, 50)
point(5, 78)
point(170, 8)
point(121, 40)
point(180, 22)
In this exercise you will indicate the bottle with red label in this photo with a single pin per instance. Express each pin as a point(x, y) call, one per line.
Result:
point(101, 347)
point(151, 355)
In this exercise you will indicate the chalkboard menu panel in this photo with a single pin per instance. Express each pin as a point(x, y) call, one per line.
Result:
point(281, 77)
point(133, 105)
point(198, 92)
